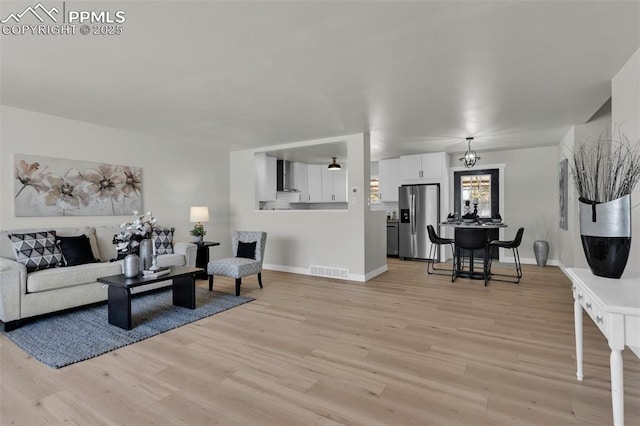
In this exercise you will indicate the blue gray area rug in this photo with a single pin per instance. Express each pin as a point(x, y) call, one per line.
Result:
point(70, 337)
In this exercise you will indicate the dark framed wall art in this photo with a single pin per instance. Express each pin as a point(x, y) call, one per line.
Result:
point(563, 182)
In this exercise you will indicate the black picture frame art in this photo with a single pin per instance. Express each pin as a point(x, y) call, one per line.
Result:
point(563, 196)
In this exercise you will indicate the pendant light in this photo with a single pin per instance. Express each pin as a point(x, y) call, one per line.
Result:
point(334, 166)
point(470, 157)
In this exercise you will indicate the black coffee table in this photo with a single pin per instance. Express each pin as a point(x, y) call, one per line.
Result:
point(119, 296)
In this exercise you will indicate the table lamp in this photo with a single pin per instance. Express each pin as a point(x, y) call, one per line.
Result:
point(199, 214)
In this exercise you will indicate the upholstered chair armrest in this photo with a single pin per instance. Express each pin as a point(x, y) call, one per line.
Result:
point(13, 283)
point(189, 250)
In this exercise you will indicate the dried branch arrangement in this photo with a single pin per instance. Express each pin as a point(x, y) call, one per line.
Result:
point(607, 170)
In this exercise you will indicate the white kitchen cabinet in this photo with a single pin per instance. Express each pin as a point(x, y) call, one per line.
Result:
point(340, 184)
point(389, 174)
point(334, 184)
point(271, 184)
point(411, 167)
point(314, 183)
point(423, 167)
point(300, 180)
point(266, 172)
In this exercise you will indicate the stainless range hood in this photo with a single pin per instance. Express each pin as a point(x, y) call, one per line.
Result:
point(284, 177)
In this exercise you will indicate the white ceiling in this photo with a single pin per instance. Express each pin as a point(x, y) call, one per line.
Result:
point(419, 76)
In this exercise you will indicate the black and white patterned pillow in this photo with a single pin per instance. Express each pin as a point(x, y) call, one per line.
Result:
point(37, 250)
point(163, 238)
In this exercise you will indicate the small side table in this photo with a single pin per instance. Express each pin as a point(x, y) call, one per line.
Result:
point(202, 258)
point(614, 306)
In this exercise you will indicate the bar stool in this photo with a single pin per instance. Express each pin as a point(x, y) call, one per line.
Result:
point(436, 241)
point(513, 245)
point(470, 239)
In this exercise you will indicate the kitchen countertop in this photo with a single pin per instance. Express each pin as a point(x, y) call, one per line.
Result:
point(474, 225)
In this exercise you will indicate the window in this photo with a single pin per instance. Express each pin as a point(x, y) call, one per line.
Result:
point(477, 189)
point(374, 190)
point(483, 185)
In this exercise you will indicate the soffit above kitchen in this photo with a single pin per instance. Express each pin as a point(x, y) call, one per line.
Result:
point(313, 154)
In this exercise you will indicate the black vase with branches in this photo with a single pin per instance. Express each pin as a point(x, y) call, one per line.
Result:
point(605, 174)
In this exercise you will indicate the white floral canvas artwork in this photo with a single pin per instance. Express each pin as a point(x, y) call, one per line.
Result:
point(46, 186)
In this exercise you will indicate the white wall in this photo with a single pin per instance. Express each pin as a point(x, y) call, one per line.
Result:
point(530, 196)
point(375, 223)
point(298, 239)
point(598, 127)
point(570, 253)
point(625, 113)
point(624, 119)
point(176, 173)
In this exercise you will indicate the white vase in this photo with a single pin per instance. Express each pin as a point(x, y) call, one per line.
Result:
point(197, 239)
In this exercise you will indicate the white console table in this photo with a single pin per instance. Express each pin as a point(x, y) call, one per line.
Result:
point(614, 306)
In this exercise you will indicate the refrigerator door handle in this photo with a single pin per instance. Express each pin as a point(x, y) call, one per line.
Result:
point(413, 213)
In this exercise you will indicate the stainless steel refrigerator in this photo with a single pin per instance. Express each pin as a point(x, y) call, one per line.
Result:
point(419, 206)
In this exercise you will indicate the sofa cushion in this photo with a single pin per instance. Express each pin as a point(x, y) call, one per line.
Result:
point(173, 259)
point(235, 267)
point(76, 250)
point(51, 279)
point(104, 235)
point(163, 238)
point(36, 250)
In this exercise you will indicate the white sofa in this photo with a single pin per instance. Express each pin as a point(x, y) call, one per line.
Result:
point(24, 295)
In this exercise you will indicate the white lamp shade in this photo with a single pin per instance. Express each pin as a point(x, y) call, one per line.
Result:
point(199, 214)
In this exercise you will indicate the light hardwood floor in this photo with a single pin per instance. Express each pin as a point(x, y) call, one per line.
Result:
point(402, 349)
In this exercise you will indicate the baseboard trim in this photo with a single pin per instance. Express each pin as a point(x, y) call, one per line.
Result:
point(305, 271)
point(284, 268)
point(532, 261)
point(563, 269)
point(370, 275)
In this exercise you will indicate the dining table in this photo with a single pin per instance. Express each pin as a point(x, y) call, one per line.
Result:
point(475, 226)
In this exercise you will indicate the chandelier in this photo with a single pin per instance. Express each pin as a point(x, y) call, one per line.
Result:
point(470, 157)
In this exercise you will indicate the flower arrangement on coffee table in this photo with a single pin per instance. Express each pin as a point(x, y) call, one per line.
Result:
point(131, 233)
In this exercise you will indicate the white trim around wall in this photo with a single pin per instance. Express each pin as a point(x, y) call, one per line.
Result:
point(563, 268)
point(384, 268)
point(284, 268)
point(531, 261)
point(306, 271)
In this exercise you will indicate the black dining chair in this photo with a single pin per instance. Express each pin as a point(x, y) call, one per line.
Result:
point(513, 245)
point(470, 239)
point(437, 241)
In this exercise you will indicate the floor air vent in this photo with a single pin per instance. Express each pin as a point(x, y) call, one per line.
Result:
point(327, 271)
